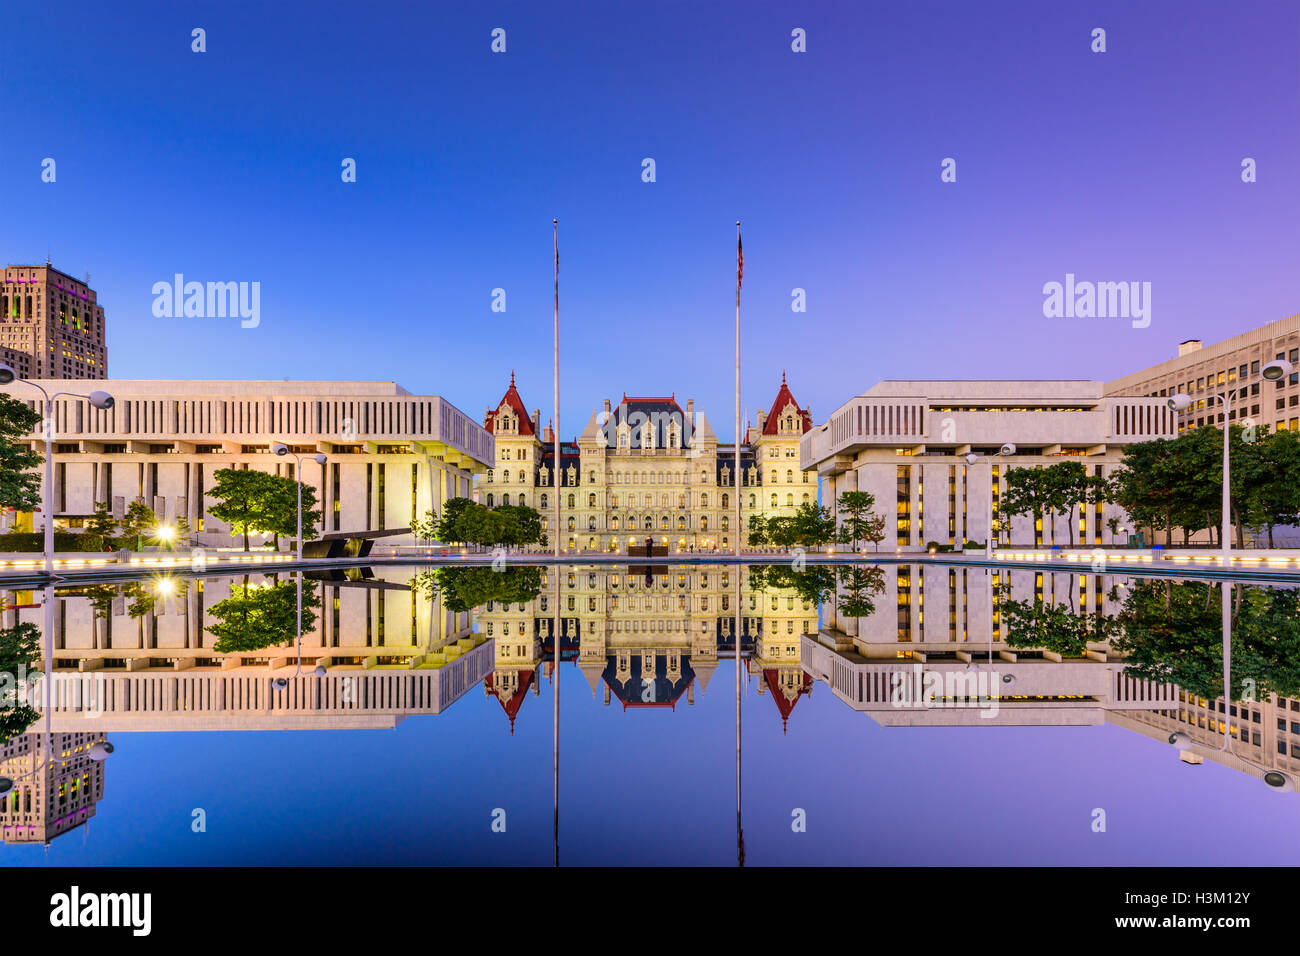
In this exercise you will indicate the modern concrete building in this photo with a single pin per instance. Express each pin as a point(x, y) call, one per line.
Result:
point(1233, 365)
point(649, 470)
point(51, 325)
point(906, 442)
point(948, 621)
point(392, 455)
point(127, 660)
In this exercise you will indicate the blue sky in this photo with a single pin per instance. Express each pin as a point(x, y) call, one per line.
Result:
point(225, 166)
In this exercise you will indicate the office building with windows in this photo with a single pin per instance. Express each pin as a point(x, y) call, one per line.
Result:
point(51, 325)
point(1230, 367)
point(391, 455)
point(908, 442)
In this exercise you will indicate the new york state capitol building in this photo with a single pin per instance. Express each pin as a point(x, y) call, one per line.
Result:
point(649, 471)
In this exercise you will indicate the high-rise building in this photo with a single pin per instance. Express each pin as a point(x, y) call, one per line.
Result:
point(51, 325)
point(1231, 366)
point(58, 785)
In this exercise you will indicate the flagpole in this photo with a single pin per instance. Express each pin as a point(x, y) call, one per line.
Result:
point(740, 267)
point(555, 634)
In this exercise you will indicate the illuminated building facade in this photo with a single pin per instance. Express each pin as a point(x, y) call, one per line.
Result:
point(51, 325)
point(907, 442)
point(648, 470)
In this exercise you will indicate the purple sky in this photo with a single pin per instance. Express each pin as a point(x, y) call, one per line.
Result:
point(1119, 166)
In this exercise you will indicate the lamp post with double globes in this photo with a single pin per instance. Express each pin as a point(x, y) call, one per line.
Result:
point(1272, 372)
point(1005, 451)
point(280, 448)
point(99, 400)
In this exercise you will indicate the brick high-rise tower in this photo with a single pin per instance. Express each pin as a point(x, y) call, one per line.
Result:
point(51, 325)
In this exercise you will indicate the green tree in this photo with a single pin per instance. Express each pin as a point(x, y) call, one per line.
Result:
point(20, 655)
point(1026, 492)
point(102, 522)
point(522, 525)
point(1173, 634)
point(1067, 485)
point(241, 496)
point(20, 482)
point(757, 536)
point(814, 526)
point(259, 616)
point(1052, 627)
point(858, 522)
point(858, 587)
point(139, 520)
point(425, 527)
point(1270, 493)
point(452, 510)
point(467, 588)
point(279, 510)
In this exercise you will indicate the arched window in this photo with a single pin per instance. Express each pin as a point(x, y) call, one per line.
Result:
point(725, 499)
point(773, 476)
point(704, 501)
point(663, 523)
point(591, 501)
point(681, 501)
point(789, 501)
point(805, 497)
point(774, 501)
point(753, 501)
point(505, 499)
point(572, 500)
point(571, 524)
point(725, 523)
point(681, 523)
point(489, 501)
point(789, 477)
point(704, 524)
point(489, 475)
point(543, 499)
point(521, 475)
point(649, 523)
point(591, 524)
point(613, 522)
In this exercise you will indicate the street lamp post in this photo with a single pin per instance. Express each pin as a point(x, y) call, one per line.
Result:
point(1005, 451)
point(1272, 778)
point(1272, 372)
point(100, 750)
point(99, 400)
point(280, 683)
point(281, 449)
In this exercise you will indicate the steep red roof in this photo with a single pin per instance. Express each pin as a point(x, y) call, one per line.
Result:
point(784, 398)
point(516, 700)
point(784, 704)
point(516, 404)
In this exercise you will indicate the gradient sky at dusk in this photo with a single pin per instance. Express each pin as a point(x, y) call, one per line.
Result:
point(225, 166)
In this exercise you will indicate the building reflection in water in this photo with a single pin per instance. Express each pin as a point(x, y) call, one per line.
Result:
point(1060, 648)
point(57, 785)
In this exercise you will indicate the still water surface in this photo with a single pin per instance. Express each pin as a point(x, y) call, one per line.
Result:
point(900, 714)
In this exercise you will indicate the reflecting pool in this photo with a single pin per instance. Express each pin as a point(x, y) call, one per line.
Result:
point(868, 714)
